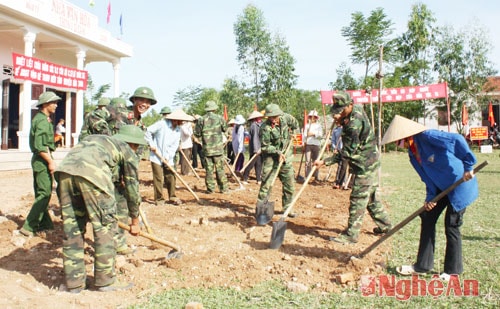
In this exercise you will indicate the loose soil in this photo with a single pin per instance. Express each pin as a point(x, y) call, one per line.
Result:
point(221, 243)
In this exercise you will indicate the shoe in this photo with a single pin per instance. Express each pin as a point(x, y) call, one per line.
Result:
point(408, 270)
point(344, 239)
point(116, 286)
point(259, 182)
point(379, 231)
point(336, 186)
point(76, 290)
point(126, 251)
point(293, 215)
point(176, 202)
point(208, 192)
point(445, 277)
point(25, 232)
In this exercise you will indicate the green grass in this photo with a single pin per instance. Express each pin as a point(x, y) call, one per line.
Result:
point(403, 193)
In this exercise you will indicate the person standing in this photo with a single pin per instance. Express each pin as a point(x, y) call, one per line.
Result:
point(361, 151)
point(343, 163)
point(276, 134)
point(238, 142)
point(59, 133)
point(86, 181)
point(440, 159)
point(313, 132)
point(163, 137)
point(186, 146)
point(228, 142)
point(96, 121)
point(197, 147)
point(210, 130)
point(42, 145)
point(254, 147)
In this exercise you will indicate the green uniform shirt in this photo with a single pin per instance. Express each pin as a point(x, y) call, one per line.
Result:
point(275, 138)
point(210, 130)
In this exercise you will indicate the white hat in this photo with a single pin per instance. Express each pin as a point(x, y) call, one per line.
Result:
point(400, 128)
point(179, 114)
point(255, 114)
point(239, 119)
point(313, 113)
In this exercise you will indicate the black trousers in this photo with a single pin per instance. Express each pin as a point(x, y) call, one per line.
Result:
point(453, 254)
point(257, 164)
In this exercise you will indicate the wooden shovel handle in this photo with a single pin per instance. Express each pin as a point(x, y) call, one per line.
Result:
point(151, 237)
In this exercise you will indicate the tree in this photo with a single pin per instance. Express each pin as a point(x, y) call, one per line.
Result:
point(234, 95)
point(92, 95)
point(253, 43)
point(345, 78)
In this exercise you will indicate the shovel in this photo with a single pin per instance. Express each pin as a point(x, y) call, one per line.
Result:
point(416, 213)
point(173, 254)
point(279, 227)
point(300, 178)
point(249, 161)
point(234, 175)
point(264, 211)
point(189, 163)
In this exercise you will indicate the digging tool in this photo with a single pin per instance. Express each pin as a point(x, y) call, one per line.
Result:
point(175, 253)
point(249, 161)
point(264, 211)
point(176, 174)
point(234, 175)
point(299, 178)
point(189, 163)
point(145, 221)
point(235, 161)
point(279, 227)
point(416, 213)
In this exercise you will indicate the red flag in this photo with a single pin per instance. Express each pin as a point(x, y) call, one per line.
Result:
point(108, 17)
point(491, 117)
point(225, 113)
point(255, 107)
point(465, 115)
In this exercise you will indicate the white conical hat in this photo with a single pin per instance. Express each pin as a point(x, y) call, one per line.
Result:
point(179, 114)
point(400, 128)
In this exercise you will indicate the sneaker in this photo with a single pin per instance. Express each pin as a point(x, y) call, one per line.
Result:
point(379, 231)
point(408, 270)
point(25, 232)
point(445, 277)
point(344, 239)
point(116, 286)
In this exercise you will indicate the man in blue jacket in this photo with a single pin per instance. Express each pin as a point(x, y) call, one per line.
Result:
point(440, 159)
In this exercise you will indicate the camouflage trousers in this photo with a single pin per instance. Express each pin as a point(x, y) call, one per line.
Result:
point(215, 163)
point(286, 176)
point(364, 196)
point(121, 215)
point(81, 201)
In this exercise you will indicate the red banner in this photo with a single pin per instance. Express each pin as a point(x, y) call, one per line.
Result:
point(415, 93)
point(43, 72)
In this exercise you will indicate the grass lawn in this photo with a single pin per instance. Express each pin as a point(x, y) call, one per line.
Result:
point(403, 193)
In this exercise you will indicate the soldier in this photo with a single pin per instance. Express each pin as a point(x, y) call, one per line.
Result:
point(96, 121)
point(42, 144)
point(275, 135)
point(86, 192)
point(210, 129)
point(360, 149)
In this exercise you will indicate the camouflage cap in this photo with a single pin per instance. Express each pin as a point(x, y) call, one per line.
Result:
point(341, 100)
point(144, 92)
point(211, 106)
point(118, 102)
point(273, 110)
point(47, 97)
point(131, 134)
point(103, 102)
point(165, 110)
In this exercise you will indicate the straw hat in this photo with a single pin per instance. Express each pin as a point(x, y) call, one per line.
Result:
point(400, 128)
point(179, 114)
point(255, 114)
point(231, 122)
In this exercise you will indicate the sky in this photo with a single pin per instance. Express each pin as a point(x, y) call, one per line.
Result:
point(179, 44)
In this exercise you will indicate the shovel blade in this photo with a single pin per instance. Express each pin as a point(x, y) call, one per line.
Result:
point(174, 254)
point(264, 212)
point(278, 234)
point(300, 179)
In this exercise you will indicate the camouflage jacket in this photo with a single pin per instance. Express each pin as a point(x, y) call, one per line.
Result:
point(121, 115)
point(210, 130)
point(358, 143)
point(96, 122)
point(275, 138)
point(104, 161)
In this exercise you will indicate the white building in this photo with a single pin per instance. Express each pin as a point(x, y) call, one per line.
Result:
point(58, 34)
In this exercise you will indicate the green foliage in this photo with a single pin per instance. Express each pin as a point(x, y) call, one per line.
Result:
point(92, 95)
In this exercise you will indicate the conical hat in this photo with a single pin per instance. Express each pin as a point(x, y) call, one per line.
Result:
point(400, 128)
point(179, 114)
point(255, 114)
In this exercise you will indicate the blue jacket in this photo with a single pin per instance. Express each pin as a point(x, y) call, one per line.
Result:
point(444, 159)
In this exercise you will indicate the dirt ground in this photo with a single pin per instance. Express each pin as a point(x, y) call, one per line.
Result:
point(221, 243)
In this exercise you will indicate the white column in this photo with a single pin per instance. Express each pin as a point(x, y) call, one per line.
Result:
point(25, 97)
point(116, 76)
point(68, 120)
point(80, 63)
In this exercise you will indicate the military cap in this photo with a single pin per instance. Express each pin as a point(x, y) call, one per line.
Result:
point(273, 110)
point(131, 134)
point(341, 100)
point(118, 102)
point(103, 102)
point(144, 92)
point(211, 106)
point(47, 97)
point(165, 110)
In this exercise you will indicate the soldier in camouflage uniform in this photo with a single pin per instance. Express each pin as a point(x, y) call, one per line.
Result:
point(209, 130)
point(361, 152)
point(275, 135)
point(96, 121)
point(86, 189)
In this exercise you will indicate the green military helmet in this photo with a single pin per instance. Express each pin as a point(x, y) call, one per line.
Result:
point(144, 92)
point(118, 102)
point(47, 97)
point(165, 110)
point(273, 110)
point(211, 106)
point(103, 102)
point(341, 100)
point(131, 134)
